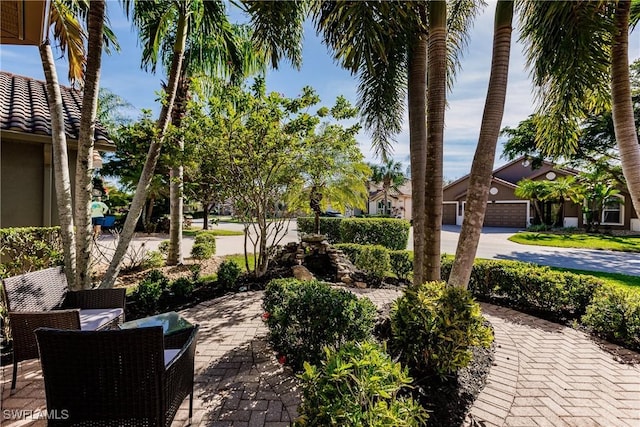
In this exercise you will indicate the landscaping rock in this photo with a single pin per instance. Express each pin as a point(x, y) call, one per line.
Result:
point(301, 272)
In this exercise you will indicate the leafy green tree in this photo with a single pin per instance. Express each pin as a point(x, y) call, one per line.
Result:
point(262, 135)
point(391, 176)
point(535, 192)
point(597, 191)
point(127, 163)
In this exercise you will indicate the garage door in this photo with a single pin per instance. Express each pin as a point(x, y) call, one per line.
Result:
point(449, 213)
point(506, 215)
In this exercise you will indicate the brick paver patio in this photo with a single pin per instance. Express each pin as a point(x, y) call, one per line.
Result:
point(544, 374)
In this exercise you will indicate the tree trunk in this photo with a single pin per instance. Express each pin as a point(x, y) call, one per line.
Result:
point(152, 158)
point(60, 164)
point(623, 121)
point(84, 162)
point(205, 215)
point(436, 105)
point(417, 97)
point(482, 166)
point(176, 186)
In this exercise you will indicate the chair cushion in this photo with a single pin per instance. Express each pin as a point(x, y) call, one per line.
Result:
point(169, 355)
point(91, 320)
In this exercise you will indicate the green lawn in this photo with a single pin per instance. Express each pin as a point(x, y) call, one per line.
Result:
point(191, 232)
point(615, 279)
point(583, 241)
point(239, 259)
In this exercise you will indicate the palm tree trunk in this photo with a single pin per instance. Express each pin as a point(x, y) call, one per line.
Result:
point(436, 104)
point(60, 164)
point(176, 185)
point(417, 100)
point(152, 158)
point(622, 106)
point(84, 163)
point(205, 215)
point(482, 166)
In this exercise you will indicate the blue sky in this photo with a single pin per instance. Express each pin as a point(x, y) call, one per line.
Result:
point(121, 74)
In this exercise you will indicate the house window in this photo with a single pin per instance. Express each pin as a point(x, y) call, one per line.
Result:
point(612, 212)
point(381, 206)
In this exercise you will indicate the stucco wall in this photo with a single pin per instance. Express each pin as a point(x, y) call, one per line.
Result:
point(22, 181)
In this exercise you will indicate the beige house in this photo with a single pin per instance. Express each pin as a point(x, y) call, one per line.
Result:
point(398, 201)
point(505, 209)
point(27, 193)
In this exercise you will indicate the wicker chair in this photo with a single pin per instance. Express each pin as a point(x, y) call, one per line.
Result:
point(42, 299)
point(115, 378)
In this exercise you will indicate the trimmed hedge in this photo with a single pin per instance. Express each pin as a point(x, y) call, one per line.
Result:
point(608, 311)
point(330, 227)
point(529, 285)
point(29, 249)
point(389, 232)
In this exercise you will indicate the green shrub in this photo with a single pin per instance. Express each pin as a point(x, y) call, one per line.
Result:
point(202, 251)
point(330, 227)
point(305, 317)
point(228, 274)
point(357, 385)
point(183, 287)
point(150, 290)
point(614, 314)
point(401, 263)
point(152, 259)
point(351, 250)
point(434, 327)
point(204, 246)
point(28, 249)
point(388, 232)
point(163, 247)
point(374, 259)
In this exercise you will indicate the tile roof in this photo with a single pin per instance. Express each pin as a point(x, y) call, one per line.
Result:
point(24, 108)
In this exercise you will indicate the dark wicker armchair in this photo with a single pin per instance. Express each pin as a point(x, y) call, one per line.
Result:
point(42, 299)
point(115, 378)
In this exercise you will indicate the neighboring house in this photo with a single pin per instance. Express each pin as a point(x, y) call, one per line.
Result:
point(504, 209)
point(399, 201)
point(27, 192)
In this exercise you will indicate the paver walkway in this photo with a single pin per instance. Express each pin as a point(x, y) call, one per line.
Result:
point(544, 374)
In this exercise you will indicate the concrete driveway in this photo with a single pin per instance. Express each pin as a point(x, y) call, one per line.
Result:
point(493, 245)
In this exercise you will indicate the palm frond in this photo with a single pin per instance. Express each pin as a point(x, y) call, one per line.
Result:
point(154, 20)
point(568, 52)
point(70, 36)
point(278, 28)
point(460, 17)
point(381, 99)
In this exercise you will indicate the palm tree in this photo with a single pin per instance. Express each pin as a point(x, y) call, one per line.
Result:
point(533, 191)
point(84, 162)
point(391, 176)
point(589, 40)
point(155, 20)
point(482, 166)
